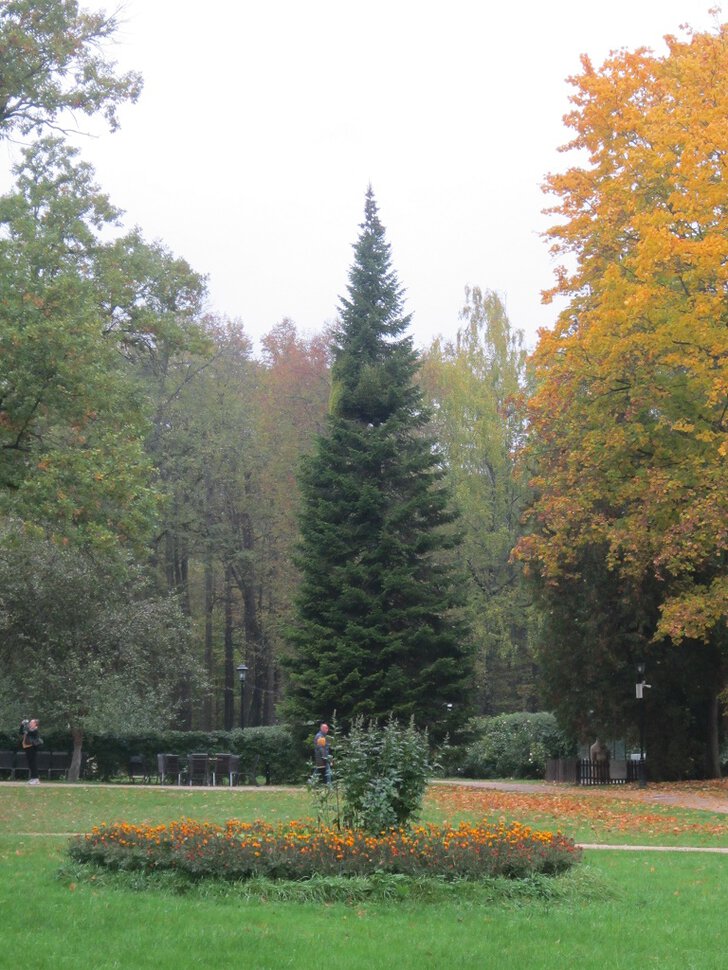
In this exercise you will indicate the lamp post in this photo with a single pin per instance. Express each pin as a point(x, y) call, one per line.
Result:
point(242, 671)
point(640, 692)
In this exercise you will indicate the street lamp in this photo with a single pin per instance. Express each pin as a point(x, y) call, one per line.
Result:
point(640, 693)
point(242, 671)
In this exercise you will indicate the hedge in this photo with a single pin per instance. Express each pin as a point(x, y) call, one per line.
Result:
point(514, 745)
point(265, 752)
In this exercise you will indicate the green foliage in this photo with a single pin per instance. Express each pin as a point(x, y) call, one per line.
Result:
point(514, 746)
point(84, 640)
point(592, 637)
point(576, 886)
point(52, 65)
point(472, 384)
point(378, 628)
point(77, 312)
point(382, 771)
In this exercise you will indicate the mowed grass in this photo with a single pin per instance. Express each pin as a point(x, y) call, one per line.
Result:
point(617, 910)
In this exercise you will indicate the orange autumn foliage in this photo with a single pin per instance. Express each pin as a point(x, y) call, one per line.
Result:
point(628, 430)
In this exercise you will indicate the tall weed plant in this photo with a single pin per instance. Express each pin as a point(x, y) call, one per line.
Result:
point(381, 770)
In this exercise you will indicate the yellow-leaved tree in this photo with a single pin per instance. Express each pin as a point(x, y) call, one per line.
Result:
point(628, 422)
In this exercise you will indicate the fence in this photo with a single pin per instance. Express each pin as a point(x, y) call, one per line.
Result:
point(582, 771)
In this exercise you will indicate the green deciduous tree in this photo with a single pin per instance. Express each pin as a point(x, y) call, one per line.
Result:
point(472, 385)
point(71, 422)
point(207, 452)
point(228, 432)
point(85, 642)
point(53, 68)
point(82, 320)
point(377, 628)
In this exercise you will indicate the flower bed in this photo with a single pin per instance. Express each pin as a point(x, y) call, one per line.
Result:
point(299, 850)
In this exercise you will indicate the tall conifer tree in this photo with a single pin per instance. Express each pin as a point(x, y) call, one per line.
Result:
point(377, 628)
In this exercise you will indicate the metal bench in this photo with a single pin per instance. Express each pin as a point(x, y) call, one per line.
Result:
point(170, 766)
point(224, 766)
point(60, 763)
point(198, 769)
point(7, 763)
point(137, 768)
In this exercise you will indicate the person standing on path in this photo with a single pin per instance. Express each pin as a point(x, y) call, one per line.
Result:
point(322, 754)
point(30, 742)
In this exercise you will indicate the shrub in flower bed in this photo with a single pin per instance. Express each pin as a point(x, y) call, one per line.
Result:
point(299, 850)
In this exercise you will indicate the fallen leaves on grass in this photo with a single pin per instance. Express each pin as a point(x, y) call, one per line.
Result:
point(600, 810)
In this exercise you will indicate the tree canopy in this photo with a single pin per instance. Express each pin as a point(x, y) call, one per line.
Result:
point(85, 641)
point(627, 425)
point(53, 66)
point(629, 417)
point(77, 314)
point(472, 383)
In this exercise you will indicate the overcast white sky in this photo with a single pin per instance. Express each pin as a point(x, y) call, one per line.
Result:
point(261, 124)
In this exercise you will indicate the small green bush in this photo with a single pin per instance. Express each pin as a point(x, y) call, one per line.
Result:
point(382, 771)
point(514, 746)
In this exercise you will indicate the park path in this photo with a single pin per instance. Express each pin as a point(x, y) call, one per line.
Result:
point(705, 796)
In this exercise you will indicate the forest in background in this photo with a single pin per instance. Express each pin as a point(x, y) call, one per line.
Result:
point(149, 472)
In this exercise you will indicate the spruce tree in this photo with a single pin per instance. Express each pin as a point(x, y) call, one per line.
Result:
point(378, 628)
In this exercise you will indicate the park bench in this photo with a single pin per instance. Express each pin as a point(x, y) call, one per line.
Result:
point(198, 769)
point(137, 768)
point(170, 766)
point(60, 763)
point(225, 765)
point(7, 763)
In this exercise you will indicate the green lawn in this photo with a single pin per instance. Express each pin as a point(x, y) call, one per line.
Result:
point(619, 910)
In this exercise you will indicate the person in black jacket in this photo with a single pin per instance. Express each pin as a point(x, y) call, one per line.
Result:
point(30, 742)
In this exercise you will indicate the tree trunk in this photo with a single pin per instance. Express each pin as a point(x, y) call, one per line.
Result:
point(714, 737)
point(74, 772)
point(209, 606)
point(177, 569)
point(270, 687)
point(254, 646)
point(229, 653)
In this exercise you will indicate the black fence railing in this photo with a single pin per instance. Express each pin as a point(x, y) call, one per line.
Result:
point(582, 771)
